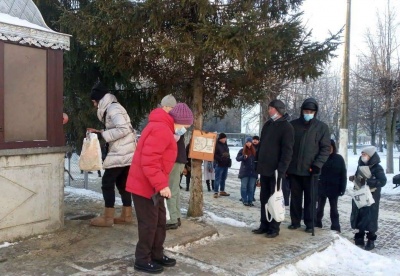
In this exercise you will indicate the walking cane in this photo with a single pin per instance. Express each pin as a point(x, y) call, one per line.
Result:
point(312, 202)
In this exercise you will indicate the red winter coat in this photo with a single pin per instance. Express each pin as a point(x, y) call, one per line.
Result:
point(154, 157)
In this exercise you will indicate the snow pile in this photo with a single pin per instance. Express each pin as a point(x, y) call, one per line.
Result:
point(343, 258)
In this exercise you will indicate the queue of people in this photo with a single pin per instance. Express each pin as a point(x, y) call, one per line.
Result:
point(299, 152)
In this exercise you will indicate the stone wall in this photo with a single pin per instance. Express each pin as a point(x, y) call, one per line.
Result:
point(31, 192)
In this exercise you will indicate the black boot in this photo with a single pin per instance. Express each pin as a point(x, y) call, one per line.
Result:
point(212, 184)
point(371, 241)
point(370, 245)
point(359, 239)
point(208, 185)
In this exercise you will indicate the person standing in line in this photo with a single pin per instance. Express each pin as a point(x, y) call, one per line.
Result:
point(310, 152)
point(121, 138)
point(256, 141)
point(148, 179)
point(183, 118)
point(366, 219)
point(223, 162)
point(209, 174)
point(274, 154)
point(247, 172)
point(331, 185)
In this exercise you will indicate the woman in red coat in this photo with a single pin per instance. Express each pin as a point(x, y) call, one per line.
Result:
point(152, 162)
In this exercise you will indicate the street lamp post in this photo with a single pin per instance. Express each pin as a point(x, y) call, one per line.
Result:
point(344, 124)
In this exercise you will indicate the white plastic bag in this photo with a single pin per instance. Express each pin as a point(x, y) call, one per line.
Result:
point(90, 158)
point(363, 197)
point(276, 205)
point(166, 209)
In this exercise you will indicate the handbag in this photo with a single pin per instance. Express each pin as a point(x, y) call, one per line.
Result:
point(90, 158)
point(363, 197)
point(276, 205)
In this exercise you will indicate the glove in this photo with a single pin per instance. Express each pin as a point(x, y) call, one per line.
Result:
point(351, 178)
point(314, 169)
point(362, 181)
point(281, 175)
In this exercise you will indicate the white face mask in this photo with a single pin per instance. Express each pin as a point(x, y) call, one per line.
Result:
point(365, 159)
point(275, 116)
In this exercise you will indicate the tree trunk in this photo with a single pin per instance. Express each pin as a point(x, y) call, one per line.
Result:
point(196, 192)
point(355, 139)
point(390, 131)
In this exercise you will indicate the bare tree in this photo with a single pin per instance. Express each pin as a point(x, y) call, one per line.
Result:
point(384, 68)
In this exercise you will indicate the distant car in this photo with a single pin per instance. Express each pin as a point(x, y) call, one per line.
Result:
point(234, 142)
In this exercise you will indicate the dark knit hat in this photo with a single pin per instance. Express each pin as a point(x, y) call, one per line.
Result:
point(98, 91)
point(249, 139)
point(221, 136)
point(182, 114)
point(278, 105)
point(256, 137)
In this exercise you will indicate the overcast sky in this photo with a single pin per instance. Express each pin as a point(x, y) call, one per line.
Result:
point(323, 16)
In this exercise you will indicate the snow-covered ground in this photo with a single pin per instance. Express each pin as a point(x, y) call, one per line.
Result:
point(342, 257)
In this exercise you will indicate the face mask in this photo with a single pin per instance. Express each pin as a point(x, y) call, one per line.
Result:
point(365, 159)
point(275, 116)
point(180, 131)
point(308, 117)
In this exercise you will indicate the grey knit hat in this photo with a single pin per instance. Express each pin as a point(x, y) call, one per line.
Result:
point(370, 150)
point(168, 101)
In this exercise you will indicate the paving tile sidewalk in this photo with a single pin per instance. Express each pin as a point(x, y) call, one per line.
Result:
point(202, 247)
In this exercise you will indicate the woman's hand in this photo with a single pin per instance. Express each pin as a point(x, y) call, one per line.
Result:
point(93, 130)
point(166, 192)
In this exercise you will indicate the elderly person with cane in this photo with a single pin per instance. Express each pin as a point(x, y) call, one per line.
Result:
point(310, 151)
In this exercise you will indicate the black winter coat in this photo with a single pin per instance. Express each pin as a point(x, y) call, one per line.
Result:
point(366, 218)
point(276, 146)
point(247, 166)
point(221, 156)
point(312, 145)
point(182, 153)
point(333, 178)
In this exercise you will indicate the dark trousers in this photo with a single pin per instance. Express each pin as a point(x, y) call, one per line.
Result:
point(300, 185)
point(267, 190)
point(286, 190)
point(151, 227)
point(333, 202)
point(115, 177)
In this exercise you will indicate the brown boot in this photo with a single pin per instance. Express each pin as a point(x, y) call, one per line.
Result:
point(126, 216)
point(106, 220)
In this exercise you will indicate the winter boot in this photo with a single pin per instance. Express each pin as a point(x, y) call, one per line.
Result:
point(106, 220)
point(126, 216)
point(370, 245)
point(371, 241)
point(208, 185)
point(212, 184)
point(359, 239)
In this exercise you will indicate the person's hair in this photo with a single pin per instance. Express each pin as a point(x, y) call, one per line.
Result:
point(333, 144)
point(249, 151)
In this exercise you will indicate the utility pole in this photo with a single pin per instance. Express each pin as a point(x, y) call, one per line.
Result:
point(344, 111)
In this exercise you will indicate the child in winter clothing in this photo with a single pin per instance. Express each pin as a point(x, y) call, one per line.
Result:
point(209, 174)
point(366, 219)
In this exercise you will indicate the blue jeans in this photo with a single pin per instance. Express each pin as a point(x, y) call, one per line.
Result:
point(247, 189)
point(220, 176)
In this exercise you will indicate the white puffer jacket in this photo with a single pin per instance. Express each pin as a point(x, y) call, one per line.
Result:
point(119, 133)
